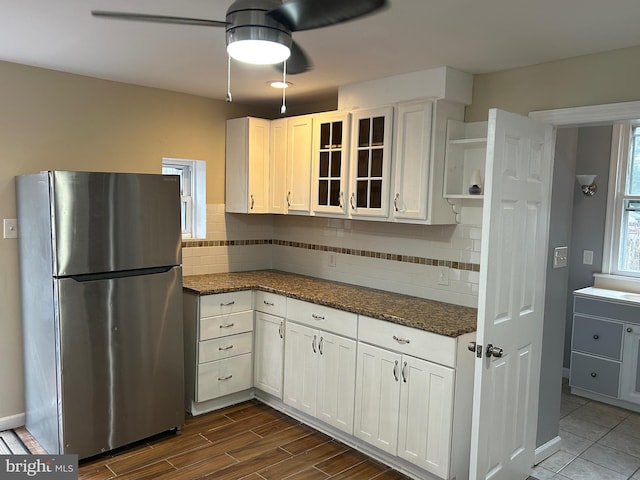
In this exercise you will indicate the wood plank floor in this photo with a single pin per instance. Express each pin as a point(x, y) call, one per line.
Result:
point(248, 441)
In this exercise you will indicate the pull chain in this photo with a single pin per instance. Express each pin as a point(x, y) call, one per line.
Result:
point(229, 99)
point(283, 108)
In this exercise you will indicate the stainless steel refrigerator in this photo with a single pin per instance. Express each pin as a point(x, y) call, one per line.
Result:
point(101, 288)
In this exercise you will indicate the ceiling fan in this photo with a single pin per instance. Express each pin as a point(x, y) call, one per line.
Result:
point(259, 31)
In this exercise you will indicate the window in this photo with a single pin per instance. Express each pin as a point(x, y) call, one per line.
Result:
point(623, 214)
point(192, 194)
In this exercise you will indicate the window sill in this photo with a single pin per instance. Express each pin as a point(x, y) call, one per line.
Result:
point(616, 282)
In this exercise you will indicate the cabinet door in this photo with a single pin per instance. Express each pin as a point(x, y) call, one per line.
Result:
point(278, 167)
point(412, 161)
point(330, 159)
point(370, 162)
point(268, 353)
point(630, 375)
point(426, 410)
point(259, 165)
point(377, 397)
point(301, 365)
point(299, 144)
point(336, 380)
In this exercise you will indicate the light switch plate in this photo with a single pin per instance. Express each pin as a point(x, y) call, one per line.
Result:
point(443, 275)
point(10, 228)
point(560, 257)
point(587, 257)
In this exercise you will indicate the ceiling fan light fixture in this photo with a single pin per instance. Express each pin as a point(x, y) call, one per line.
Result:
point(258, 52)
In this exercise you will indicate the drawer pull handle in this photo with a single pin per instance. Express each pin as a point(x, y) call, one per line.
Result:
point(404, 373)
point(596, 336)
point(269, 304)
point(395, 371)
point(222, 349)
point(227, 326)
point(228, 304)
point(317, 317)
point(320, 345)
point(313, 344)
point(280, 330)
point(629, 330)
point(594, 374)
point(401, 340)
point(222, 379)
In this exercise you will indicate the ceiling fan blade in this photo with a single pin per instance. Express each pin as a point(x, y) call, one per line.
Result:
point(297, 63)
point(299, 15)
point(143, 17)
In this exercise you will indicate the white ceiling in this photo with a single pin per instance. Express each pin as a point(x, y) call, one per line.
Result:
point(476, 36)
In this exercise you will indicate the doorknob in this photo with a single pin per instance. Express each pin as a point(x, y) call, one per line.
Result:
point(495, 351)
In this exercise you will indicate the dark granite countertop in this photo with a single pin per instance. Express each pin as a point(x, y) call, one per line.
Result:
point(437, 317)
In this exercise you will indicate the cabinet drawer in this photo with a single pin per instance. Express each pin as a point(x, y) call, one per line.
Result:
point(412, 341)
point(607, 309)
point(599, 337)
point(595, 374)
point(225, 303)
point(223, 377)
point(223, 325)
point(270, 303)
point(324, 318)
point(225, 347)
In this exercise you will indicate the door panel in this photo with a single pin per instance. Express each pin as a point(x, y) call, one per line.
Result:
point(301, 365)
point(511, 296)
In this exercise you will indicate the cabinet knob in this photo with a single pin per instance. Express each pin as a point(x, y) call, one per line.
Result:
point(629, 329)
point(594, 374)
point(596, 336)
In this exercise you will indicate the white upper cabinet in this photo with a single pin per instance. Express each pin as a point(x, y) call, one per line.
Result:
point(330, 163)
point(299, 146)
point(370, 162)
point(278, 166)
point(247, 165)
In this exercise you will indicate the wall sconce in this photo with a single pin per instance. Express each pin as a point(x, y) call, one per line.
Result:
point(587, 184)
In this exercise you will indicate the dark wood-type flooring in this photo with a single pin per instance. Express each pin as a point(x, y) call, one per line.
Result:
point(249, 441)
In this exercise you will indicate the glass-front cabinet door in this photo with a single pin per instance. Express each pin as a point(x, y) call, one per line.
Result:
point(370, 165)
point(330, 163)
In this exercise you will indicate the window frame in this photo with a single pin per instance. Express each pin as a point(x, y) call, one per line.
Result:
point(616, 199)
point(193, 195)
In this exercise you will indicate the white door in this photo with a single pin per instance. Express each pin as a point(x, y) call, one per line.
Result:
point(258, 165)
point(268, 353)
point(511, 296)
point(301, 365)
point(426, 411)
point(377, 397)
point(278, 166)
point(336, 381)
point(299, 145)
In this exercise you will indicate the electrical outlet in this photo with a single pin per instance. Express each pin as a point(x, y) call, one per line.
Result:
point(443, 275)
point(332, 259)
point(10, 229)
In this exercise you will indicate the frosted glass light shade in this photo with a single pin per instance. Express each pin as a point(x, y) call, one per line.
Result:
point(258, 52)
point(585, 179)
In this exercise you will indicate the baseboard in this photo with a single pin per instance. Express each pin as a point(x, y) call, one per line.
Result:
point(548, 449)
point(12, 421)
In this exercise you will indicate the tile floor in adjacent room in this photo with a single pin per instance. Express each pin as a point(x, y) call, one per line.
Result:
point(599, 442)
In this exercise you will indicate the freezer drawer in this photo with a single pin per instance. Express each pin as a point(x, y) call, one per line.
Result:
point(121, 360)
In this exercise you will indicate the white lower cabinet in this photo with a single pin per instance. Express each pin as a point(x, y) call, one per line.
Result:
point(404, 404)
point(319, 374)
point(268, 352)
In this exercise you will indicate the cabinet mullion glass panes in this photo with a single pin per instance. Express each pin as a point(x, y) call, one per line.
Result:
point(330, 165)
point(370, 162)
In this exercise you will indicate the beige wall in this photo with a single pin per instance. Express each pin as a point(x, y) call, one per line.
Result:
point(608, 77)
point(53, 120)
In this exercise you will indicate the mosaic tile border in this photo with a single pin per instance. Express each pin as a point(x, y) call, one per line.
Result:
point(469, 267)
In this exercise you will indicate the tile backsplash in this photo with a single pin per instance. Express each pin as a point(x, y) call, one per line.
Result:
point(439, 262)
